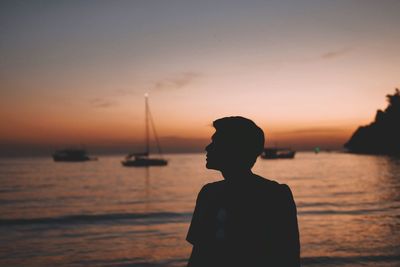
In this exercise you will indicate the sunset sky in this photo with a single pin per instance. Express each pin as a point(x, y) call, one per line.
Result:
point(308, 72)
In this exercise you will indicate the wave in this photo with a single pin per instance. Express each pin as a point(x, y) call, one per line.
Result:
point(98, 218)
point(305, 261)
point(341, 212)
point(132, 262)
point(150, 218)
point(302, 204)
point(339, 260)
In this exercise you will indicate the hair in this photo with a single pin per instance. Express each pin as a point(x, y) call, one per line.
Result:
point(242, 135)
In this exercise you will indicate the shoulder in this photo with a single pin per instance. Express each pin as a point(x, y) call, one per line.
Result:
point(211, 191)
point(274, 188)
point(271, 184)
point(211, 188)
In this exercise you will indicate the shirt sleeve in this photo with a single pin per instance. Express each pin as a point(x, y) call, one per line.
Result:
point(288, 241)
point(197, 222)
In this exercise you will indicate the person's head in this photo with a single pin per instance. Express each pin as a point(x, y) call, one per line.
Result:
point(235, 145)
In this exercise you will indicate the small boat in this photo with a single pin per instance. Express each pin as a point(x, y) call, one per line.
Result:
point(143, 159)
point(278, 153)
point(71, 155)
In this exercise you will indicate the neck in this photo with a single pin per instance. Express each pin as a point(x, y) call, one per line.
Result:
point(237, 174)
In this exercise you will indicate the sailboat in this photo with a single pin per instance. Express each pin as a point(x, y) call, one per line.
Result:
point(143, 159)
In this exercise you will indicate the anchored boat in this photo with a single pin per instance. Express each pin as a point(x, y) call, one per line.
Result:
point(143, 159)
point(71, 155)
point(278, 153)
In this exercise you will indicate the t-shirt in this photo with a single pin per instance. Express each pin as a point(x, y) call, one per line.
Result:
point(246, 223)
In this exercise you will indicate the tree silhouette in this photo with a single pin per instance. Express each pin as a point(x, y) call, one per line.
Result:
point(382, 135)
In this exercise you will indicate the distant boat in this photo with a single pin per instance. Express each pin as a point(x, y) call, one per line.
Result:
point(71, 155)
point(278, 153)
point(143, 159)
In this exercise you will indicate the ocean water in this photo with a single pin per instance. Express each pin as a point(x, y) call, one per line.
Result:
point(102, 214)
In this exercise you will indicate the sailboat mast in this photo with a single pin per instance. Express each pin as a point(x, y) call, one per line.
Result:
point(147, 124)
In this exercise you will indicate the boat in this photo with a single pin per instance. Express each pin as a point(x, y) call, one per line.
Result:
point(143, 159)
point(278, 153)
point(71, 155)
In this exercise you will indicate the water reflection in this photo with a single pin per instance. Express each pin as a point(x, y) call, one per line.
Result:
point(349, 210)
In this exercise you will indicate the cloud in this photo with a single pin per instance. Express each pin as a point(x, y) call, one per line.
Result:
point(336, 53)
point(177, 82)
point(125, 92)
point(102, 103)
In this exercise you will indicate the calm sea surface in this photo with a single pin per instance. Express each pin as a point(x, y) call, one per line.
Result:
point(102, 214)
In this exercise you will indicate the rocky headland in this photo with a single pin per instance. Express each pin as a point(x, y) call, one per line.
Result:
point(382, 136)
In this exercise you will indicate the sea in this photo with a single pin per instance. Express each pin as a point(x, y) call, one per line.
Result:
point(100, 213)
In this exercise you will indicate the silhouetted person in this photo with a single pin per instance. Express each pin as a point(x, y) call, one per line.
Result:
point(243, 220)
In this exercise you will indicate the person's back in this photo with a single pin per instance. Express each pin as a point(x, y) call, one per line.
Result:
point(244, 220)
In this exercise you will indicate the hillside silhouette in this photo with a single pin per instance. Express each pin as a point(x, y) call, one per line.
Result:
point(382, 135)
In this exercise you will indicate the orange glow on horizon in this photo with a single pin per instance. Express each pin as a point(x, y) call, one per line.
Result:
point(58, 131)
